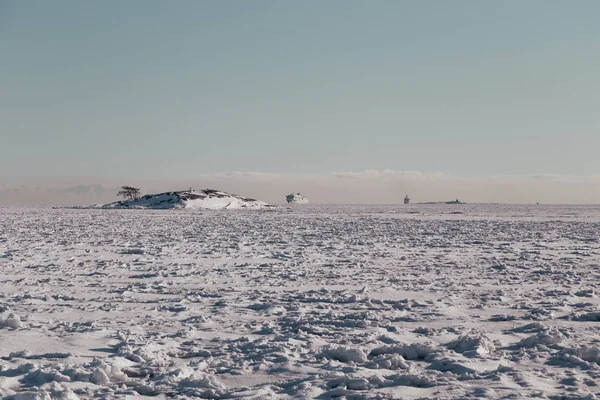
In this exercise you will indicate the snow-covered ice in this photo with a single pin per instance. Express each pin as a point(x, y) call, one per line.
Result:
point(378, 302)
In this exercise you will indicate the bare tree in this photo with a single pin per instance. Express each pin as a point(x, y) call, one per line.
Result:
point(129, 193)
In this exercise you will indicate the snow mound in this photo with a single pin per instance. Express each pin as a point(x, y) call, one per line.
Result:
point(296, 198)
point(345, 354)
point(586, 353)
point(191, 199)
point(544, 337)
point(413, 351)
point(473, 344)
point(388, 361)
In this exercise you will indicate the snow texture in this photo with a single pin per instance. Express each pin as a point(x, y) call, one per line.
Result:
point(323, 302)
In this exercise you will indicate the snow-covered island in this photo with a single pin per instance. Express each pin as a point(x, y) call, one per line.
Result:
point(296, 198)
point(191, 199)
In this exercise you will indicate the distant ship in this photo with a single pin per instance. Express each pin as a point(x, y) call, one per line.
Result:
point(444, 202)
point(406, 200)
point(455, 202)
point(296, 198)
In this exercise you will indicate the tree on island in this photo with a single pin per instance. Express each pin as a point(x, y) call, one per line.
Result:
point(129, 192)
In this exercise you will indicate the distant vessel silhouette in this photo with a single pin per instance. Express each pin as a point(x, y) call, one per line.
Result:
point(406, 200)
point(297, 198)
point(455, 202)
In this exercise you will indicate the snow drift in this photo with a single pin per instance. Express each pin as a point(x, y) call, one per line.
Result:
point(191, 199)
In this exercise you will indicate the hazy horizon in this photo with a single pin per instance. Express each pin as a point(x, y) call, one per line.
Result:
point(367, 187)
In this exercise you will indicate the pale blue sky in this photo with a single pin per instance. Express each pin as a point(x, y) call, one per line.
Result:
point(173, 88)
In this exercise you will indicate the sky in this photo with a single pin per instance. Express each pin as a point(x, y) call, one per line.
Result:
point(152, 91)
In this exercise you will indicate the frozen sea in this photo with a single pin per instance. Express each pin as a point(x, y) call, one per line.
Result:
point(323, 302)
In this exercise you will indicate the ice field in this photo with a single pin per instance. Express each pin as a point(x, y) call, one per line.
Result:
point(348, 302)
